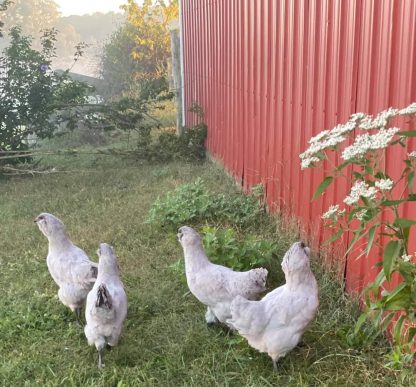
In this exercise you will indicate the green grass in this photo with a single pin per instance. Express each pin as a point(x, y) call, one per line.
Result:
point(165, 341)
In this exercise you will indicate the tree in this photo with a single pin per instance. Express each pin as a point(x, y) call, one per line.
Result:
point(31, 15)
point(117, 65)
point(32, 95)
point(136, 56)
point(150, 35)
point(3, 6)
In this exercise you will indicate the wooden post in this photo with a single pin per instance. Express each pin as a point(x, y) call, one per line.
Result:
point(176, 70)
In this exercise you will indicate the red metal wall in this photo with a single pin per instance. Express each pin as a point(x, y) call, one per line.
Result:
point(269, 74)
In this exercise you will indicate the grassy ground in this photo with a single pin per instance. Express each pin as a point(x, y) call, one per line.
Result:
point(166, 341)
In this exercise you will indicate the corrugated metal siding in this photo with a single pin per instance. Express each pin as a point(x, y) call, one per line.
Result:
point(270, 74)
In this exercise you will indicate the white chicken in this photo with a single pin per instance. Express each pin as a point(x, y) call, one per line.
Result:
point(276, 323)
point(68, 265)
point(213, 285)
point(106, 307)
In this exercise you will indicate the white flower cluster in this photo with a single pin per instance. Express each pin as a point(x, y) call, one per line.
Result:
point(380, 121)
point(365, 142)
point(360, 215)
point(384, 184)
point(360, 188)
point(332, 210)
point(412, 155)
point(357, 117)
point(328, 139)
point(324, 140)
point(308, 162)
point(411, 109)
point(406, 258)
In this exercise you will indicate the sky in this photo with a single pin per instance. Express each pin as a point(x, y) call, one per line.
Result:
point(81, 7)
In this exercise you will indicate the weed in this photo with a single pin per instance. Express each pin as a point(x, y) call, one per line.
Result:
point(193, 203)
point(223, 247)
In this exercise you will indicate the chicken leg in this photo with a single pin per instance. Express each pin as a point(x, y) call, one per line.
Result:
point(100, 359)
point(78, 316)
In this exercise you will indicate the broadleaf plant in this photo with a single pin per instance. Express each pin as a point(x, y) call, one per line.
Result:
point(372, 211)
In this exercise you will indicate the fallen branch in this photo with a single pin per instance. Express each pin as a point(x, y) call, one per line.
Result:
point(8, 170)
point(7, 155)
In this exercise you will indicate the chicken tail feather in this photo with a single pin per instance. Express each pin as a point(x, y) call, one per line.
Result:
point(259, 276)
point(103, 298)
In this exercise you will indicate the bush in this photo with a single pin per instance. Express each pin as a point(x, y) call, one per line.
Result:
point(192, 204)
point(189, 146)
point(224, 248)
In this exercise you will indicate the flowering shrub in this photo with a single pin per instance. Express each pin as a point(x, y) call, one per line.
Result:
point(372, 210)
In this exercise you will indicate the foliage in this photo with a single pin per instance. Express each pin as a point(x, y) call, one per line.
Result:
point(117, 64)
point(3, 6)
point(373, 209)
point(32, 93)
point(31, 16)
point(136, 57)
point(39, 101)
point(150, 34)
point(168, 146)
point(223, 247)
point(193, 203)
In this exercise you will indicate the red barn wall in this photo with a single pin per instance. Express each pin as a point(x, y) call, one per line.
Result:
point(269, 74)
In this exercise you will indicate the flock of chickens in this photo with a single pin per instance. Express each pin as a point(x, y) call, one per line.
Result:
point(274, 324)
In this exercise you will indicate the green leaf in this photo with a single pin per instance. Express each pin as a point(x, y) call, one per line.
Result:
point(409, 133)
point(410, 180)
point(406, 233)
point(407, 270)
point(333, 238)
point(380, 278)
point(368, 170)
point(370, 214)
point(398, 328)
point(322, 187)
point(402, 222)
point(399, 298)
point(381, 175)
point(391, 252)
point(372, 288)
point(386, 322)
point(365, 201)
point(361, 320)
point(371, 234)
point(412, 333)
point(387, 203)
point(357, 236)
